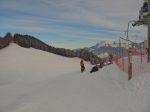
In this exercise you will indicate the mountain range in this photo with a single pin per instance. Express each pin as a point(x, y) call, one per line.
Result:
point(28, 41)
point(94, 54)
point(104, 48)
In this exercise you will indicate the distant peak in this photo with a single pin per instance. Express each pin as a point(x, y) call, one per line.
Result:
point(105, 43)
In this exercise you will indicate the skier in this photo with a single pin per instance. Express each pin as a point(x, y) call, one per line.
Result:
point(82, 65)
point(94, 69)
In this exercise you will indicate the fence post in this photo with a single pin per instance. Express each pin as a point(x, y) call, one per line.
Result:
point(141, 53)
point(129, 64)
point(123, 59)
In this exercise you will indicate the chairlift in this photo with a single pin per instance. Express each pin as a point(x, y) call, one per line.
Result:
point(144, 10)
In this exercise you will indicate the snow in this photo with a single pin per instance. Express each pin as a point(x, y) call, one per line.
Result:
point(103, 55)
point(106, 43)
point(36, 81)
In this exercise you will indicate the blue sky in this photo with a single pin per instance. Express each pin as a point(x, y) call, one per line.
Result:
point(71, 23)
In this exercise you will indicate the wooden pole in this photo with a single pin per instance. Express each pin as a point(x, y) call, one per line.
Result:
point(129, 64)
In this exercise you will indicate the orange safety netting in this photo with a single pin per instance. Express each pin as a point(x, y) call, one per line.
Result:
point(138, 58)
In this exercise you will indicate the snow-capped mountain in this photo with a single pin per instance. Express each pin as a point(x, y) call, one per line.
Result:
point(103, 47)
point(106, 43)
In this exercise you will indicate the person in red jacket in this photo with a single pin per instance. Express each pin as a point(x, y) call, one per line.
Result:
point(82, 65)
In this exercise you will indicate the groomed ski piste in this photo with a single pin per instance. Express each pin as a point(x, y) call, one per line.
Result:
point(36, 81)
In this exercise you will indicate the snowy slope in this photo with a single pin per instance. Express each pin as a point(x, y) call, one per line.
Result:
point(36, 81)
